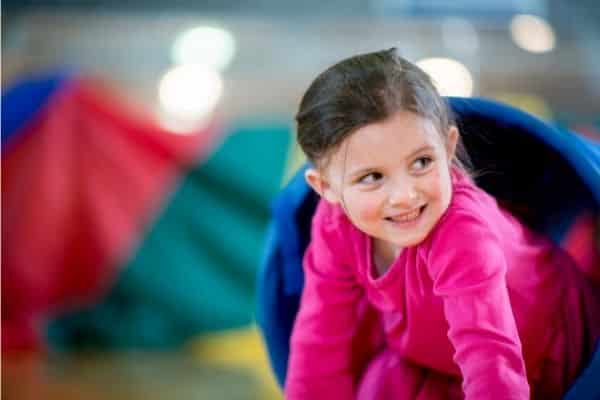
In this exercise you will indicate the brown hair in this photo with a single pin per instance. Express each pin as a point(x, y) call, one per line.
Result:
point(365, 89)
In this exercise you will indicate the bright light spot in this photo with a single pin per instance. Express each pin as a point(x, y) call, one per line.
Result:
point(213, 47)
point(459, 34)
point(532, 33)
point(189, 93)
point(450, 77)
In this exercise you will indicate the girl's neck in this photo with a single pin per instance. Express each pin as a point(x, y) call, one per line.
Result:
point(384, 255)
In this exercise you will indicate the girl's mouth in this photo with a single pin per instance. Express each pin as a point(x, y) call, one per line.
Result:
point(407, 218)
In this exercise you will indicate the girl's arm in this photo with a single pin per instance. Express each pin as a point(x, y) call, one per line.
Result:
point(468, 268)
point(319, 364)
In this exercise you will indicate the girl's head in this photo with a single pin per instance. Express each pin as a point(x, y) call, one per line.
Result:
point(382, 143)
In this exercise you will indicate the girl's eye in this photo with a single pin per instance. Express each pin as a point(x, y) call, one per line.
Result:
point(422, 163)
point(370, 178)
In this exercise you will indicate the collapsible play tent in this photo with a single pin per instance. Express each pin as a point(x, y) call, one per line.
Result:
point(114, 228)
point(550, 178)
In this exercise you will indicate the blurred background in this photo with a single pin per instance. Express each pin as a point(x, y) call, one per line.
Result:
point(142, 143)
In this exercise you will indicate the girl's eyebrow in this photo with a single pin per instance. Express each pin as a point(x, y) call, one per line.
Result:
point(420, 149)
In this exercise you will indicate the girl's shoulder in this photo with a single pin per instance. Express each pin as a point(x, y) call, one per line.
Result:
point(472, 213)
point(332, 228)
point(331, 217)
point(468, 199)
point(333, 222)
point(469, 232)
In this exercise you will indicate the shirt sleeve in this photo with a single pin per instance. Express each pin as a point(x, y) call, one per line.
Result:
point(468, 269)
point(320, 349)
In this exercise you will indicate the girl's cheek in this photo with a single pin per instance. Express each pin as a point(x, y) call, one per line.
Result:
point(438, 188)
point(368, 207)
point(433, 185)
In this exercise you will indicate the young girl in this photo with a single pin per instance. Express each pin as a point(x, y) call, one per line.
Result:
point(470, 303)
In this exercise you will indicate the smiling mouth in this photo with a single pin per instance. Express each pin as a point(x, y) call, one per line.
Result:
point(404, 218)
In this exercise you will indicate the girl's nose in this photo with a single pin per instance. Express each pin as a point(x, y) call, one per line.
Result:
point(403, 195)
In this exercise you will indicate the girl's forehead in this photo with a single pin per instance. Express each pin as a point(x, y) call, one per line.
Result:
point(394, 138)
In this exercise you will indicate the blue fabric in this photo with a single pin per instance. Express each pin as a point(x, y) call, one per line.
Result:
point(528, 162)
point(22, 101)
point(581, 153)
point(291, 228)
point(521, 160)
point(281, 279)
point(587, 385)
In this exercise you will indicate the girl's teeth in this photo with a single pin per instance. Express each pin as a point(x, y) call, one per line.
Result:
point(408, 217)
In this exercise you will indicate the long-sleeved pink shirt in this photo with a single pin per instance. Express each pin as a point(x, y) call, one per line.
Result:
point(477, 299)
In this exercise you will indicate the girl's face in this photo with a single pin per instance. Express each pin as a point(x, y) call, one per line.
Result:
point(392, 178)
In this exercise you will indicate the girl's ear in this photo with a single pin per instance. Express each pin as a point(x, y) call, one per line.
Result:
point(452, 140)
point(318, 181)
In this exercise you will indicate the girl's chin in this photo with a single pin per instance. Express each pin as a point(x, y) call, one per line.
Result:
point(406, 240)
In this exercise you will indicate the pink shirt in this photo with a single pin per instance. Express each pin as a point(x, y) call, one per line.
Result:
point(475, 299)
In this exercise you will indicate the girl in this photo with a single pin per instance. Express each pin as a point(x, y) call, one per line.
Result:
point(469, 302)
